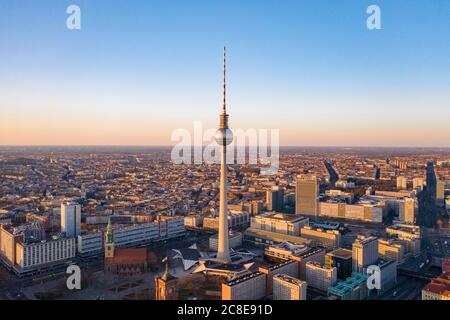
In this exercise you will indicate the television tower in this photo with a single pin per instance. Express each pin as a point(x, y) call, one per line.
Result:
point(224, 136)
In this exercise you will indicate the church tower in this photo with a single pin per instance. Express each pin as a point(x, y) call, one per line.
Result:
point(109, 244)
point(166, 285)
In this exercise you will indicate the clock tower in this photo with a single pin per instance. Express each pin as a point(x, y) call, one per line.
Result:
point(166, 285)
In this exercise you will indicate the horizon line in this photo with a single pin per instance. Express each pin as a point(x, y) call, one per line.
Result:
point(171, 146)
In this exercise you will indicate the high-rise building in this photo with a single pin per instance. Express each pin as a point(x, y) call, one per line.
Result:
point(224, 137)
point(275, 199)
point(418, 183)
point(408, 209)
point(307, 195)
point(286, 287)
point(440, 190)
point(70, 219)
point(364, 252)
point(401, 183)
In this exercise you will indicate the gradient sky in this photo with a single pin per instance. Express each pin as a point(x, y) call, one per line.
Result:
point(137, 70)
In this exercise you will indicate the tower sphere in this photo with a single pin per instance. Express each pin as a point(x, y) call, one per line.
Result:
point(224, 136)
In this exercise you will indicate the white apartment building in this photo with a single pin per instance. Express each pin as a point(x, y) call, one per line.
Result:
point(90, 243)
point(163, 228)
point(132, 235)
point(32, 255)
point(170, 227)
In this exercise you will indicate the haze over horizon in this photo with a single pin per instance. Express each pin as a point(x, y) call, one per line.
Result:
point(132, 75)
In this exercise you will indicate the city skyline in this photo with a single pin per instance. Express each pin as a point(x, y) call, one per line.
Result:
point(312, 70)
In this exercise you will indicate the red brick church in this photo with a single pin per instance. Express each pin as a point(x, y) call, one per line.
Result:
point(124, 261)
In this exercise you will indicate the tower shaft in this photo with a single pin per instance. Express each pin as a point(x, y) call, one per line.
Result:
point(223, 250)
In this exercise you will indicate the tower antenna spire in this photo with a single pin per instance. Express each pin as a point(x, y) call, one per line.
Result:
point(224, 104)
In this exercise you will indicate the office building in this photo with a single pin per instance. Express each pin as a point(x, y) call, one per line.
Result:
point(70, 219)
point(392, 249)
point(236, 219)
point(320, 277)
point(290, 268)
point(364, 252)
point(235, 239)
point(330, 239)
point(263, 238)
point(288, 224)
point(369, 212)
point(411, 235)
point(286, 287)
point(342, 260)
point(275, 199)
point(247, 287)
point(408, 210)
point(353, 287)
point(440, 191)
point(307, 196)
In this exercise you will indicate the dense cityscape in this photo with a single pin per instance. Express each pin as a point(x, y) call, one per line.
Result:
point(308, 232)
point(307, 161)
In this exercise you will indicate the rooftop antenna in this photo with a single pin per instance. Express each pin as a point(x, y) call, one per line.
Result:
point(224, 105)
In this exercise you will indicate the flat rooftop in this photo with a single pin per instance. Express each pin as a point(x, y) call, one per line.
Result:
point(243, 279)
point(289, 279)
point(342, 253)
point(282, 216)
